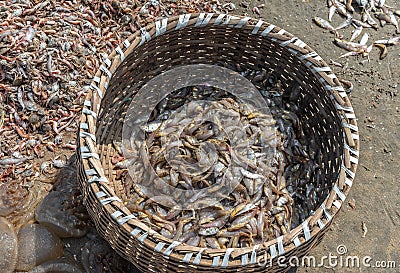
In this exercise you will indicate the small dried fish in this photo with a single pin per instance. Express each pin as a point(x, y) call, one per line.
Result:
point(383, 49)
point(325, 24)
point(256, 10)
point(364, 229)
point(2, 114)
point(391, 41)
point(13, 161)
point(359, 23)
point(349, 6)
point(151, 127)
point(356, 33)
point(354, 48)
point(208, 231)
point(364, 39)
point(352, 203)
point(394, 21)
point(388, 19)
point(336, 63)
point(362, 3)
point(380, 3)
point(332, 11)
point(345, 24)
point(341, 9)
point(348, 84)
point(349, 46)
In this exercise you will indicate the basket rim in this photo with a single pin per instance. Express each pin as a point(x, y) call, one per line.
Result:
point(94, 172)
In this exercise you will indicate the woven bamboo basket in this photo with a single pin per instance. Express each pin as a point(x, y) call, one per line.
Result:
point(207, 38)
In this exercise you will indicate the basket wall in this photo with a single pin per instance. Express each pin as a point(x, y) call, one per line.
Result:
point(326, 113)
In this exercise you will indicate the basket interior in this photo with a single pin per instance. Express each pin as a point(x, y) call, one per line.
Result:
point(229, 47)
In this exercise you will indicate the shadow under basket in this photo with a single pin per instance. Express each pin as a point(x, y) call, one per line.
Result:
point(324, 109)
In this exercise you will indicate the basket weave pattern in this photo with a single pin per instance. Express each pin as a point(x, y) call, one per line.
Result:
point(210, 38)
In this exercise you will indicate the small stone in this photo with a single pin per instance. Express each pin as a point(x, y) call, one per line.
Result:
point(8, 246)
point(352, 203)
point(62, 211)
point(244, 4)
point(36, 245)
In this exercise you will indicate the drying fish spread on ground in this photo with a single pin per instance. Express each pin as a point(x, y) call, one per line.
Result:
point(244, 176)
point(364, 16)
point(49, 52)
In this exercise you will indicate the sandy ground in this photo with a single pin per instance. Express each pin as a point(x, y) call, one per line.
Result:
point(376, 101)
